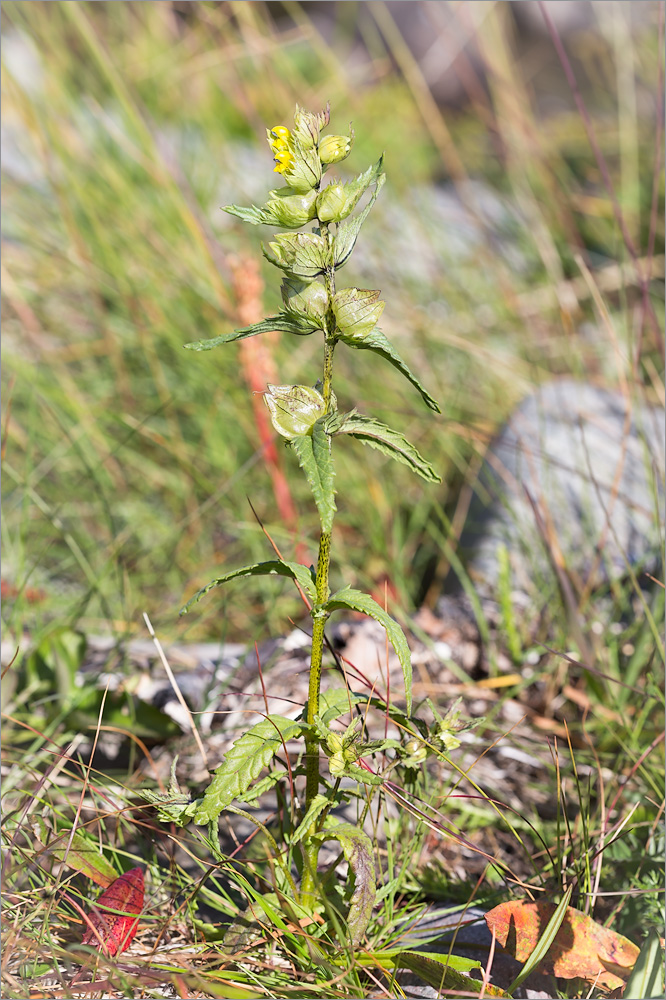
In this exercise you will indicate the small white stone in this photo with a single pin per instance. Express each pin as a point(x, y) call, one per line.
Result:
point(442, 650)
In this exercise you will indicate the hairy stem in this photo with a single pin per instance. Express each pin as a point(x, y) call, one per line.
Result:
point(319, 619)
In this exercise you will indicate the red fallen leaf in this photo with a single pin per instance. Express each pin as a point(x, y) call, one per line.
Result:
point(115, 915)
point(581, 947)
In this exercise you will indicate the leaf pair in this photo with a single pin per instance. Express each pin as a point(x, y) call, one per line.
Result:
point(345, 599)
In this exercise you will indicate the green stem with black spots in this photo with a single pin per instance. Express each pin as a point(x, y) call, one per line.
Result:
point(308, 894)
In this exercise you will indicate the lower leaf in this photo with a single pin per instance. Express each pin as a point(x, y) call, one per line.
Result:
point(244, 763)
point(273, 567)
point(357, 849)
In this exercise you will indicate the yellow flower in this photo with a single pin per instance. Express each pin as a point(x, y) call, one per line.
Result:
point(280, 141)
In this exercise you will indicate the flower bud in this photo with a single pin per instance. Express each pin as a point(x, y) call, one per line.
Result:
point(357, 311)
point(335, 742)
point(336, 765)
point(449, 740)
point(332, 203)
point(294, 409)
point(416, 752)
point(333, 148)
point(305, 299)
point(290, 209)
point(416, 748)
point(307, 126)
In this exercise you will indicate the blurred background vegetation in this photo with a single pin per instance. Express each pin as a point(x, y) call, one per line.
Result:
point(129, 464)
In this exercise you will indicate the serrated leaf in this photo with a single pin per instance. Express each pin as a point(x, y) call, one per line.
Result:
point(282, 322)
point(284, 208)
point(314, 457)
point(244, 763)
point(336, 702)
point(347, 233)
point(248, 213)
point(362, 775)
point(376, 342)
point(259, 788)
point(354, 190)
point(273, 567)
point(176, 809)
point(316, 808)
point(357, 849)
point(389, 442)
point(355, 600)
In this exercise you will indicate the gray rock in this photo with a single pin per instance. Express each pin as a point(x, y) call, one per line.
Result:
point(571, 480)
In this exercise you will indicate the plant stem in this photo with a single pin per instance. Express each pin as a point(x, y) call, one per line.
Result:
point(319, 621)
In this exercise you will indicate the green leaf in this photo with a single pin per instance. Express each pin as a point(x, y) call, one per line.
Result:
point(259, 788)
point(357, 849)
point(360, 774)
point(53, 665)
point(314, 457)
point(439, 972)
point(316, 808)
point(83, 855)
point(243, 764)
point(273, 567)
point(173, 806)
point(389, 442)
point(354, 190)
point(283, 323)
point(355, 600)
point(336, 702)
point(647, 976)
point(348, 231)
point(250, 213)
point(376, 342)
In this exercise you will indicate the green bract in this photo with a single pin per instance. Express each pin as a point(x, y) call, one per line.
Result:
point(288, 209)
point(300, 255)
point(332, 203)
point(307, 299)
point(303, 171)
point(357, 311)
point(294, 409)
point(285, 208)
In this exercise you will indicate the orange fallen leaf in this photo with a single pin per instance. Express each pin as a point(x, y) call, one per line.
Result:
point(115, 915)
point(581, 948)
